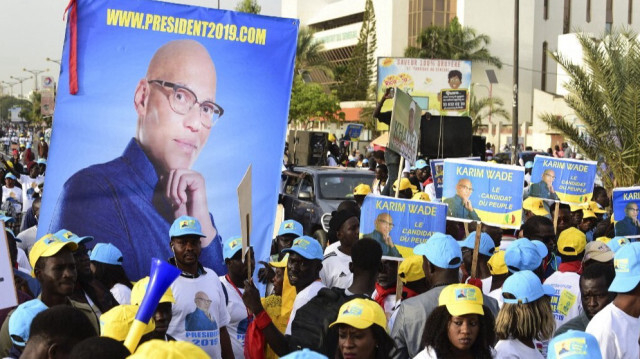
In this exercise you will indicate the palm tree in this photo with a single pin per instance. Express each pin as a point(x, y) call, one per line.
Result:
point(308, 55)
point(480, 108)
point(453, 42)
point(604, 93)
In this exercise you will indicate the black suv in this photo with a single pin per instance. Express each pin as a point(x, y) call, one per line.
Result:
point(315, 191)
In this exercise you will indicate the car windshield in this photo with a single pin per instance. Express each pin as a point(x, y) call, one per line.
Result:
point(340, 186)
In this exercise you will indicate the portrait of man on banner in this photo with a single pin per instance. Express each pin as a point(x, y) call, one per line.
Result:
point(161, 127)
point(626, 208)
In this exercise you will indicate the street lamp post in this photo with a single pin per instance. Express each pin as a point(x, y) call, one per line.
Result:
point(54, 61)
point(35, 74)
point(10, 84)
point(20, 81)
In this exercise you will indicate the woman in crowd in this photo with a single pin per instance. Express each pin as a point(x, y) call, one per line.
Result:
point(362, 332)
point(460, 327)
point(106, 266)
point(525, 317)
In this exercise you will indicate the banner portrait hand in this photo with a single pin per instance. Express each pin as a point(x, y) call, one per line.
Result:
point(186, 191)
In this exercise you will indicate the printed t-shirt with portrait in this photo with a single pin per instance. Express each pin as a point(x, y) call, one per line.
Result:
point(29, 186)
point(566, 303)
point(199, 311)
point(14, 193)
point(238, 318)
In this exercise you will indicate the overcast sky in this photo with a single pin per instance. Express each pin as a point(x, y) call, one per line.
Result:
point(32, 30)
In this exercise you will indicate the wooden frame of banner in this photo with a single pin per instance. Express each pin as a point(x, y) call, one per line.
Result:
point(399, 284)
point(244, 207)
point(476, 248)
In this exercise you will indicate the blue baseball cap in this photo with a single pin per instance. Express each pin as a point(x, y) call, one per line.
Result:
point(524, 254)
point(487, 247)
point(528, 165)
point(8, 230)
point(617, 242)
point(70, 236)
point(420, 164)
point(185, 226)
point(574, 344)
point(106, 253)
point(231, 246)
point(304, 354)
point(441, 250)
point(290, 227)
point(307, 247)
point(10, 175)
point(526, 287)
point(365, 161)
point(41, 161)
point(627, 265)
point(21, 318)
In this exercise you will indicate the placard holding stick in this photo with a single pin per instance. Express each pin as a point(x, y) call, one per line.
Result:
point(399, 178)
point(476, 249)
point(244, 205)
point(555, 217)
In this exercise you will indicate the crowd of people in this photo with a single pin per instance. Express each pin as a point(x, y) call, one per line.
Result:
point(565, 290)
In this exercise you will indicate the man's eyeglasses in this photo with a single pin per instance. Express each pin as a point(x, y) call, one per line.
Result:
point(470, 189)
point(390, 224)
point(183, 99)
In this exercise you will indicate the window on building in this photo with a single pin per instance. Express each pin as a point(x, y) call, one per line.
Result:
point(588, 10)
point(543, 79)
point(566, 24)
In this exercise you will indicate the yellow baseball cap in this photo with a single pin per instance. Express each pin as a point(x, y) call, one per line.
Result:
point(421, 196)
point(595, 208)
point(362, 190)
point(578, 207)
point(496, 263)
point(281, 263)
point(404, 184)
point(47, 246)
point(588, 213)
point(116, 322)
point(410, 269)
point(332, 137)
point(361, 314)
point(535, 205)
point(159, 349)
point(571, 242)
point(603, 239)
point(140, 288)
point(462, 299)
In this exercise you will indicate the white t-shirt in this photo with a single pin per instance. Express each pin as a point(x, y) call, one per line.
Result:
point(122, 293)
point(302, 298)
point(238, 320)
point(335, 270)
point(14, 193)
point(23, 262)
point(515, 349)
point(497, 295)
point(29, 186)
point(429, 353)
point(617, 333)
point(332, 247)
point(566, 302)
point(199, 325)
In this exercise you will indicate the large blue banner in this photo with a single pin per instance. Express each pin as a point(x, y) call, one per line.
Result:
point(487, 192)
point(437, 173)
point(174, 103)
point(567, 180)
point(625, 211)
point(400, 224)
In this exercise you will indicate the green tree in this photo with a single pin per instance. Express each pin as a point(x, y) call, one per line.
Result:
point(358, 74)
point(453, 42)
point(7, 102)
point(250, 6)
point(481, 107)
point(308, 54)
point(604, 93)
point(310, 101)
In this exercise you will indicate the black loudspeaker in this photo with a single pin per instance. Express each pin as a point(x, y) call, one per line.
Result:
point(308, 148)
point(479, 146)
point(445, 136)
